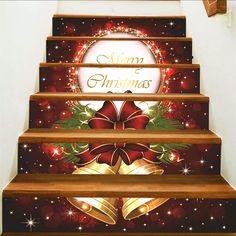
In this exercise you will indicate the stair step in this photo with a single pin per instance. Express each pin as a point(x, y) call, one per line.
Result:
point(118, 234)
point(48, 158)
point(201, 217)
point(117, 97)
point(79, 25)
point(189, 111)
point(89, 38)
point(146, 186)
point(130, 17)
point(119, 136)
point(40, 150)
point(176, 78)
point(176, 215)
point(111, 50)
point(43, 64)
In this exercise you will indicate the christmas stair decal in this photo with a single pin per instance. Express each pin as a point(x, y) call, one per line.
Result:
point(118, 139)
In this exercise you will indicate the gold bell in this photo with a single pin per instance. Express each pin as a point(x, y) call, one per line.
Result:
point(103, 209)
point(135, 207)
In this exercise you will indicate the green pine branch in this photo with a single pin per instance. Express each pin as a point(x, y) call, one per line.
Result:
point(71, 151)
point(166, 150)
point(80, 117)
point(159, 122)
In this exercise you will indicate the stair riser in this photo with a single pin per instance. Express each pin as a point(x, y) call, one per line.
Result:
point(191, 115)
point(90, 26)
point(66, 79)
point(175, 215)
point(119, 52)
point(48, 158)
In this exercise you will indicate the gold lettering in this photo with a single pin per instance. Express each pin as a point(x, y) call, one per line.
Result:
point(132, 83)
point(118, 59)
point(141, 84)
point(103, 59)
point(134, 60)
point(148, 83)
point(102, 81)
point(94, 79)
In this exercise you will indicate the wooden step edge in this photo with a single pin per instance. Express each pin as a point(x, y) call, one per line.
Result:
point(118, 136)
point(160, 39)
point(65, 96)
point(141, 186)
point(58, 64)
point(116, 234)
point(112, 16)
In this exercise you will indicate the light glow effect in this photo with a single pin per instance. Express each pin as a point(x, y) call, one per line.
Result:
point(151, 54)
point(186, 170)
point(137, 80)
point(30, 223)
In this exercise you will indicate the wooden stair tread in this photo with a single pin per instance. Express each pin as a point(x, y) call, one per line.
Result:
point(112, 16)
point(51, 64)
point(150, 186)
point(118, 234)
point(117, 97)
point(119, 38)
point(113, 136)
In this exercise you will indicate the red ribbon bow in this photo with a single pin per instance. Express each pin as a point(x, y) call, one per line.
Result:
point(129, 117)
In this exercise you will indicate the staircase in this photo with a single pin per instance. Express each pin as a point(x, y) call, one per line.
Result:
point(118, 140)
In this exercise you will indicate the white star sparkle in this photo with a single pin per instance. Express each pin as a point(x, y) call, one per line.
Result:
point(31, 223)
point(186, 170)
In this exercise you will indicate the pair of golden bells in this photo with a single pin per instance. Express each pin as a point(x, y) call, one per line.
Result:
point(104, 209)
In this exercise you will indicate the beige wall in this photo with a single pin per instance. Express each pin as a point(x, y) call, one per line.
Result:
point(214, 45)
point(120, 7)
point(24, 26)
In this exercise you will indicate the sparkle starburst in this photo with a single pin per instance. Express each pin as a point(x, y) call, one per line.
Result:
point(30, 223)
point(186, 170)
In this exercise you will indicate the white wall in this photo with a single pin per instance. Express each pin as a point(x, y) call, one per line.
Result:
point(24, 26)
point(214, 45)
point(119, 7)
